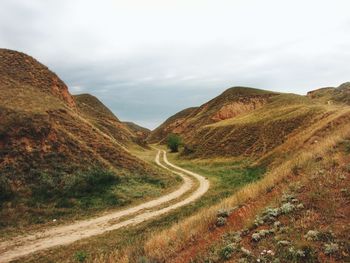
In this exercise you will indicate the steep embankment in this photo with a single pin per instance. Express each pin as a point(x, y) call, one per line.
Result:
point(58, 154)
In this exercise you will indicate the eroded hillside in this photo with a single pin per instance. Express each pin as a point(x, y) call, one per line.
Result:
point(59, 152)
point(249, 122)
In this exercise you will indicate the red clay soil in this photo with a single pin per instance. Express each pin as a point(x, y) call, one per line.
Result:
point(236, 221)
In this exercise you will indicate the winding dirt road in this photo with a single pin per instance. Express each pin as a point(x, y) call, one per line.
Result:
point(62, 235)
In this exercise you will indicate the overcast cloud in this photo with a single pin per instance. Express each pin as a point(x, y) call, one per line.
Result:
point(148, 59)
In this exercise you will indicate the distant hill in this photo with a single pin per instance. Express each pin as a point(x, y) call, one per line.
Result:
point(138, 130)
point(233, 102)
point(249, 122)
point(333, 95)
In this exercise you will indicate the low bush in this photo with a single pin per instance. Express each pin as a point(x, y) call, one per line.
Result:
point(174, 142)
point(5, 189)
point(92, 181)
point(80, 256)
point(80, 184)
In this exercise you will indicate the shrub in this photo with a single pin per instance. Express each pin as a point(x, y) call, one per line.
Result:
point(312, 235)
point(287, 208)
point(173, 142)
point(45, 186)
point(92, 181)
point(331, 248)
point(188, 149)
point(221, 221)
point(57, 185)
point(5, 189)
point(347, 146)
point(80, 256)
point(227, 251)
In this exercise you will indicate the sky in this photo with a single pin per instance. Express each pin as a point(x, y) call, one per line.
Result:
point(148, 59)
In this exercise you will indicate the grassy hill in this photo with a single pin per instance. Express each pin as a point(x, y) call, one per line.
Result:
point(62, 155)
point(137, 129)
point(279, 177)
point(297, 211)
point(246, 122)
point(101, 117)
point(229, 104)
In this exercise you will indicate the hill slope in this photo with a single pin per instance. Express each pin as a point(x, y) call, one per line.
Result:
point(139, 131)
point(297, 211)
point(100, 116)
point(247, 122)
point(57, 151)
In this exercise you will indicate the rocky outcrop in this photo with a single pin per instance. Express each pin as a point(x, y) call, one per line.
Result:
point(234, 109)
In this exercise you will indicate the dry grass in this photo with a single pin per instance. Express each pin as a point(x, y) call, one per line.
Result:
point(165, 244)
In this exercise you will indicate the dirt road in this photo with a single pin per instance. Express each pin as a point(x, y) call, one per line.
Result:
point(62, 235)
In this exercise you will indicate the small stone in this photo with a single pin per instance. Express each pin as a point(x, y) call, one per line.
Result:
point(54, 220)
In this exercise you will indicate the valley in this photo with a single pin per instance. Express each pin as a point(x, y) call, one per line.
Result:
point(251, 174)
point(64, 235)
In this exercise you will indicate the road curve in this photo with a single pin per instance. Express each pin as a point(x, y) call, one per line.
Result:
point(62, 235)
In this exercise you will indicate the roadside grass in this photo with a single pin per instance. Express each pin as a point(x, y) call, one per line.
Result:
point(321, 208)
point(54, 199)
point(166, 244)
point(226, 178)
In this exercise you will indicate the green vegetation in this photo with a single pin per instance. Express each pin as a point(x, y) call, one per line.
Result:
point(5, 190)
point(347, 146)
point(174, 142)
point(226, 178)
point(80, 256)
point(58, 195)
